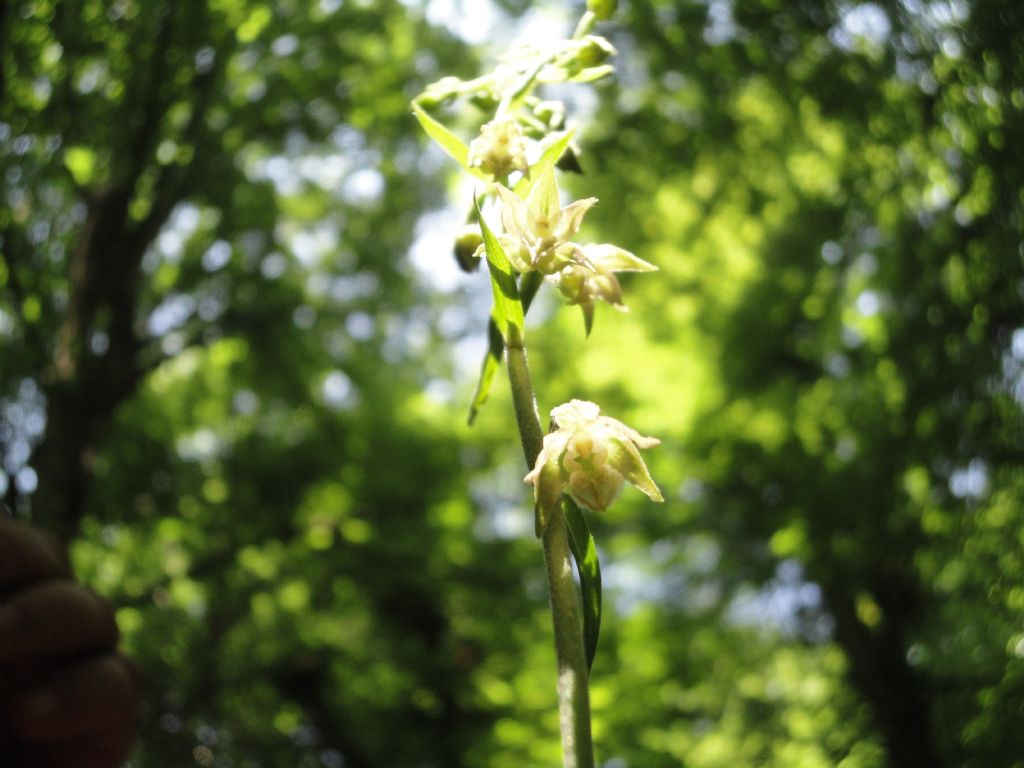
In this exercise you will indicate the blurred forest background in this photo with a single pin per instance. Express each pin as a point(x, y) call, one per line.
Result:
point(236, 357)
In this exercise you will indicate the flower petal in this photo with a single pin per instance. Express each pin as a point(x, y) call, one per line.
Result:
point(610, 257)
point(588, 315)
point(571, 217)
point(513, 211)
point(617, 428)
point(547, 475)
point(596, 490)
point(624, 457)
point(543, 203)
point(574, 415)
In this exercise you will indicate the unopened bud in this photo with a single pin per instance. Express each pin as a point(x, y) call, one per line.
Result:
point(594, 51)
point(570, 161)
point(602, 9)
point(438, 93)
point(466, 244)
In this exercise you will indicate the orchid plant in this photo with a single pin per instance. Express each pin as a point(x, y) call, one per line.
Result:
point(586, 457)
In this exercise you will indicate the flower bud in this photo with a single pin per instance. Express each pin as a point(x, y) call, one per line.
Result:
point(602, 9)
point(570, 161)
point(466, 244)
point(439, 92)
point(594, 51)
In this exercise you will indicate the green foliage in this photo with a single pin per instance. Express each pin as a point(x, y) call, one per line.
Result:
point(314, 557)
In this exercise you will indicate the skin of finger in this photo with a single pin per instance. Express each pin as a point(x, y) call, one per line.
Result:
point(80, 753)
point(77, 753)
point(28, 555)
point(93, 701)
point(55, 618)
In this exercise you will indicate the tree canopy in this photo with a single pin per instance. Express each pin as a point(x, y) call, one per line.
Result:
point(236, 357)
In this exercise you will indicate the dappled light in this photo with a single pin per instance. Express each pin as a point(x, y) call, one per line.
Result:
point(238, 348)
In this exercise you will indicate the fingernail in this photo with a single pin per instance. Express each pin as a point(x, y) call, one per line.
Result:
point(40, 704)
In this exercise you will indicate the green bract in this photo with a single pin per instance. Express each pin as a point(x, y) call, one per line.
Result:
point(589, 455)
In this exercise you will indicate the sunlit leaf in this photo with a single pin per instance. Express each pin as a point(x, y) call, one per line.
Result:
point(489, 367)
point(549, 157)
point(531, 282)
point(508, 311)
point(584, 552)
point(447, 140)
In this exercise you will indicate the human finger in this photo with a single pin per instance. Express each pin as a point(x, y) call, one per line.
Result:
point(55, 618)
point(28, 555)
point(92, 701)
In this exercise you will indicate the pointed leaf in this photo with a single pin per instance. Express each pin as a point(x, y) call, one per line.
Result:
point(531, 282)
point(447, 140)
point(489, 367)
point(584, 552)
point(508, 311)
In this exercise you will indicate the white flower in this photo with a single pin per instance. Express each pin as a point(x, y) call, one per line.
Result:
point(538, 229)
point(590, 276)
point(589, 455)
point(499, 149)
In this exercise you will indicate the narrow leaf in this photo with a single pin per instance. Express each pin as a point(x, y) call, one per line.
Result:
point(531, 282)
point(489, 367)
point(584, 552)
point(447, 140)
point(508, 312)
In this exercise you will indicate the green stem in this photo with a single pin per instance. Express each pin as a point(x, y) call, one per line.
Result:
point(573, 674)
point(586, 24)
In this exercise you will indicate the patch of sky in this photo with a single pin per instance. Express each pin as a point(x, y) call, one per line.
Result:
point(362, 186)
point(216, 256)
point(170, 314)
point(869, 303)
point(22, 424)
point(865, 22)
point(201, 444)
point(721, 26)
point(338, 392)
point(787, 603)
point(970, 482)
point(473, 21)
